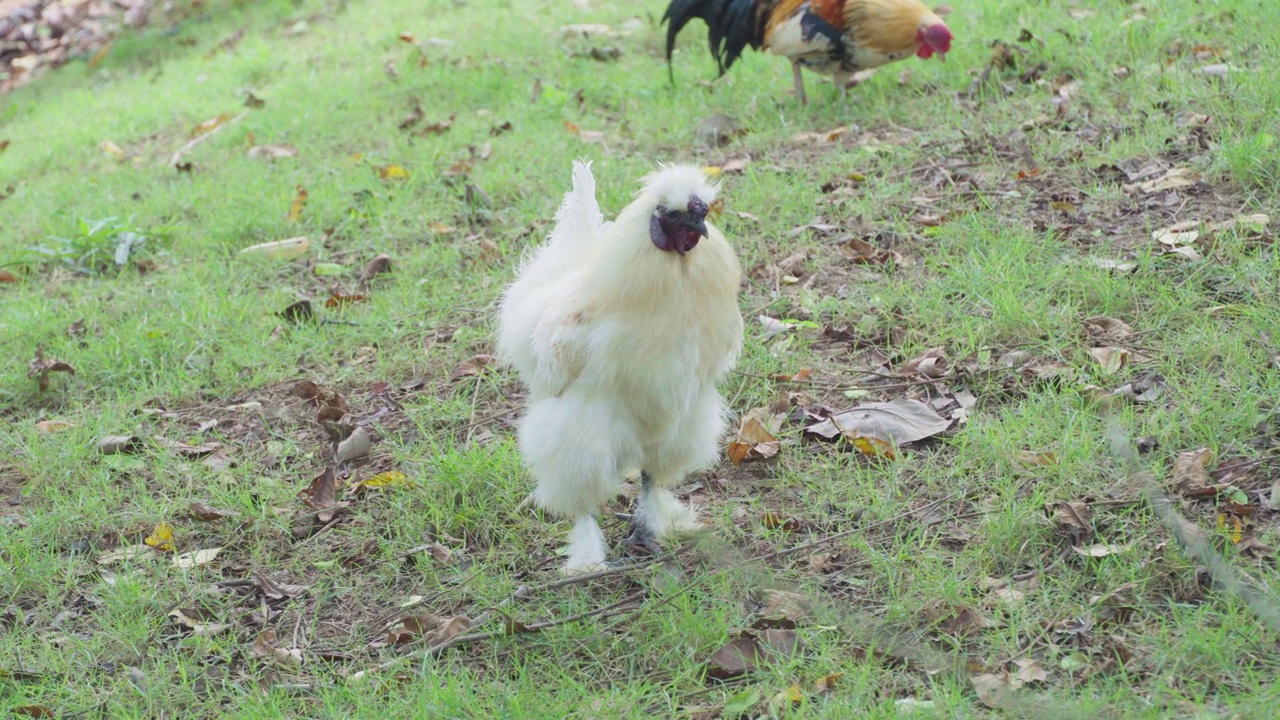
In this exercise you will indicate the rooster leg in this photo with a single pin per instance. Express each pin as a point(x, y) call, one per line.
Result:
point(795, 72)
point(642, 533)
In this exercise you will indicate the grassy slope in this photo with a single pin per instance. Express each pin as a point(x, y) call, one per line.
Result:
point(197, 336)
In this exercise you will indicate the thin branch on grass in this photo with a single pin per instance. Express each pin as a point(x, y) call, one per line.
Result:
point(523, 591)
point(177, 157)
point(860, 529)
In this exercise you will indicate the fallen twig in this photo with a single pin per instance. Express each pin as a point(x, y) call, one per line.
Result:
point(523, 591)
point(861, 528)
point(177, 157)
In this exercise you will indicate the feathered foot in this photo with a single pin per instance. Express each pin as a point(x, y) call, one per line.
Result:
point(795, 72)
point(586, 547)
point(657, 514)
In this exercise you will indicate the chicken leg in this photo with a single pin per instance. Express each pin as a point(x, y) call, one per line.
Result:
point(643, 534)
point(795, 70)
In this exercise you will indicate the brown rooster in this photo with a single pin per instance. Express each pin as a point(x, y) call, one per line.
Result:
point(829, 37)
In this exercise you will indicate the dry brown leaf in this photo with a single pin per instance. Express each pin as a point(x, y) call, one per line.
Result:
point(338, 300)
point(1029, 671)
point(356, 445)
point(432, 629)
point(208, 513)
point(196, 558)
point(200, 621)
point(823, 562)
point(276, 590)
point(1189, 473)
point(40, 367)
point(878, 428)
point(1100, 550)
point(747, 651)
point(53, 426)
point(119, 444)
point(1073, 517)
point(266, 645)
point(7, 276)
point(1112, 359)
point(377, 266)
point(1103, 330)
point(209, 125)
point(993, 690)
point(436, 128)
point(1170, 180)
point(321, 495)
point(273, 152)
point(754, 440)
point(475, 365)
point(931, 364)
point(784, 604)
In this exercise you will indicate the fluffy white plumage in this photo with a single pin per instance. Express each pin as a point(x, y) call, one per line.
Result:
point(620, 344)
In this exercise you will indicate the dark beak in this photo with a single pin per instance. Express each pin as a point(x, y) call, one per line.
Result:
point(697, 225)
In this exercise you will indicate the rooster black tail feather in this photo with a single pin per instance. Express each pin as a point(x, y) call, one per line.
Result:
point(732, 25)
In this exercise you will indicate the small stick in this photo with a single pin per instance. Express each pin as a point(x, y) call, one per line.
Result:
point(177, 157)
point(861, 528)
point(522, 591)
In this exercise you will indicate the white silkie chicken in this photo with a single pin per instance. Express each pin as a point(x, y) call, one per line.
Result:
point(621, 330)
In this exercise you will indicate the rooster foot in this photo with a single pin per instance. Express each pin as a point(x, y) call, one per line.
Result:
point(642, 538)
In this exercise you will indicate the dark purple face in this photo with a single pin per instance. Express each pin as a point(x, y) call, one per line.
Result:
point(679, 230)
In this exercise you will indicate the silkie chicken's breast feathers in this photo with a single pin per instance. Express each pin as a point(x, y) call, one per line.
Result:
point(539, 330)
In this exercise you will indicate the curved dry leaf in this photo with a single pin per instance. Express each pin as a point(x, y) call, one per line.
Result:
point(1112, 359)
point(883, 426)
point(272, 152)
point(40, 367)
point(276, 590)
point(1073, 517)
point(321, 495)
point(784, 604)
point(432, 629)
point(199, 620)
point(52, 426)
point(1189, 471)
point(1100, 550)
point(931, 364)
point(357, 445)
point(377, 266)
point(124, 553)
point(475, 365)
point(1103, 330)
point(208, 513)
point(993, 690)
point(186, 561)
point(287, 249)
point(119, 444)
point(755, 441)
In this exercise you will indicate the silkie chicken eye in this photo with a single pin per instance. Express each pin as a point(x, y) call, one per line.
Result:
point(673, 213)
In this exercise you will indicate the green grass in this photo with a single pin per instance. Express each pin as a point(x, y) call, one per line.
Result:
point(164, 349)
